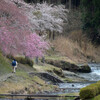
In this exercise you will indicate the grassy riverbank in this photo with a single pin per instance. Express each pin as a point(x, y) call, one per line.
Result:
point(21, 81)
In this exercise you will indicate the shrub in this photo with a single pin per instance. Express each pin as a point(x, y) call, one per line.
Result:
point(90, 91)
point(23, 60)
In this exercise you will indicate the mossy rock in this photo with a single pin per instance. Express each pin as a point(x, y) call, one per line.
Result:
point(68, 66)
point(58, 72)
point(95, 98)
point(90, 91)
point(87, 93)
point(85, 69)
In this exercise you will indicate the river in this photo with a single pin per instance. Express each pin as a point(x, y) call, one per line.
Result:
point(74, 87)
point(91, 77)
point(94, 75)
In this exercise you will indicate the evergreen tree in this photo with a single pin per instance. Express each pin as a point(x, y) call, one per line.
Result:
point(91, 18)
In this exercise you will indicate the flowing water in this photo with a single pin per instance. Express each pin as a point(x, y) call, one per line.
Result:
point(94, 75)
point(91, 77)
point(74, 87)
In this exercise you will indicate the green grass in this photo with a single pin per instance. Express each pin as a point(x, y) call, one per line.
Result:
point(5, 66)
point(22, 74)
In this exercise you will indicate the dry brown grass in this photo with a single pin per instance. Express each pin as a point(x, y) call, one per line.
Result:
point(8, 87)
point(77, 47)
point(33, 85)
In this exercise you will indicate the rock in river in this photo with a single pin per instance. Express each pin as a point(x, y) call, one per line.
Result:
point(69, 66)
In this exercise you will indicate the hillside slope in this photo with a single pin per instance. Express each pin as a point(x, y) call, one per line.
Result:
point(20, 82)
point(5, 66)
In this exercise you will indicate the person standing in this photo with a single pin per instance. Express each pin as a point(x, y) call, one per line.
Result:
point(14, 64)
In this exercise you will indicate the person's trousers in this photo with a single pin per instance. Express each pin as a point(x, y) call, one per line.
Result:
point(14, 68)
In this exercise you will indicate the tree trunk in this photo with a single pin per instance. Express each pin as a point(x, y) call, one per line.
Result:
point(38, 1)
point(50, 34)
point(37, 60)
point(49, 1)
point(70, 4)
point(56, 2)
point(59, 1)
point(66, 4)
point(53, 36)
point(34, 1)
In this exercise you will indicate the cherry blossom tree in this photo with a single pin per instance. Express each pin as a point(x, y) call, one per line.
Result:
point(16, 36)
point(48, 17)
point(18, 22)
point(35, 46)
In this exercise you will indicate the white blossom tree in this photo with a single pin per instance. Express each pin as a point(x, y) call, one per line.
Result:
point(44, 17)
point(48, 17)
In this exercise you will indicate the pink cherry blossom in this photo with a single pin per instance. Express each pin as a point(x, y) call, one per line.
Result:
point(16, 36)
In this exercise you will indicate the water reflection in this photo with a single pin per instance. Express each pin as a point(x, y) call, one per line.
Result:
point(60, 98)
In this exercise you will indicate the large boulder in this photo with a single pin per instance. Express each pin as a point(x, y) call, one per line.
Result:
point(84, 69)
point(69, 66)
